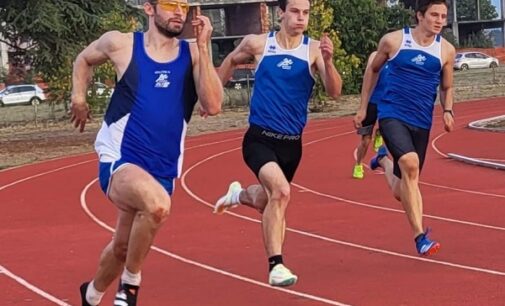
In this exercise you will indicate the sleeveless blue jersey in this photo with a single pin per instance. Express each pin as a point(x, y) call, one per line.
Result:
point(282, 89)
point(145, 123)
point(413, 79)
point(380, 87)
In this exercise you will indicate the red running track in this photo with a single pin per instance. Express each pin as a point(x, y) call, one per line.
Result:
point(348, 240)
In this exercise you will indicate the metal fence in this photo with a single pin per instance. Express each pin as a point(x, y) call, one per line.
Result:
point(469, 85)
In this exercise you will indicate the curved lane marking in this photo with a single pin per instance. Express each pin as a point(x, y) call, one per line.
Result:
point(201, 265)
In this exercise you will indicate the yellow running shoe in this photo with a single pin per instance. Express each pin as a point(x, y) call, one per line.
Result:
point(358, 172)
point(377, 143)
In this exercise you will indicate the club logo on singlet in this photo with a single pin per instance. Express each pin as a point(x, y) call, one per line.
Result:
point(162, 80)
point(419, 59)
point(285, 64)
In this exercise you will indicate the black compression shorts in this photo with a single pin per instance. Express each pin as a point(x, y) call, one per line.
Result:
point(369, 121)
point(402, 138)
point(261, 146)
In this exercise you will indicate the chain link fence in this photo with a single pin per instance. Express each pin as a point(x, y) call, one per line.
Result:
point(469, 85)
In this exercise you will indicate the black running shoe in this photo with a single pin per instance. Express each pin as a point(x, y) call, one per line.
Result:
point(126, 295)
point(83, 289)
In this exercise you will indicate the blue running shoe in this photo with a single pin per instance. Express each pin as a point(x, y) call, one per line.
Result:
point(425, 246)
point(374, 162)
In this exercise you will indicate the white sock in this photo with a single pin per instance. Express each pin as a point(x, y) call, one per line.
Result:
point(93, 296)
point(130, 278)
point(235, 197)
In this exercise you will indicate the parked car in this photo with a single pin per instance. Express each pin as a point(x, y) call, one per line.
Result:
point(470, 60)
point(22, 94)
point(101, 89)
point(240, 78)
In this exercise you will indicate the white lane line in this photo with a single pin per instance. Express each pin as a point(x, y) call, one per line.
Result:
point(44, 173)
point(324, 238)
point(434, 146)
point(478, 124)
point(31, 287)
point(350, 244)
point(17, 278)
point(204, 266)
point(42, 293)
point(341, 242)
point(242, 137)
point(476, 161)
point(455, 265)
point(35, 163)
point(357, 203)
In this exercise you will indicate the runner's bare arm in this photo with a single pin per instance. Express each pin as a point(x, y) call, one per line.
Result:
point(447, 78)
point(208, 85)
point(246, 51)
point(98, 52)
point(371, 75)
point(384, 51)
point(324, 63)
point(446, 85)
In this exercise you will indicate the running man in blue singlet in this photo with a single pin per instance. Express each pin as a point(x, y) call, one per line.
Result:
point(141, 142)
point(272, 147)
point(420, 61)
point(368, 123)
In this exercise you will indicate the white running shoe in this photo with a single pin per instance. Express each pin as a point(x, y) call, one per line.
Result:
point(281, 276)
point(229, 200)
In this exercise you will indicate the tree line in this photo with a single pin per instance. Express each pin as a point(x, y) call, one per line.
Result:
point(46, 35)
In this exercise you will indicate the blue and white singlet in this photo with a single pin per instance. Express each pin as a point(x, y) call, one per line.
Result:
point(145, 123)
point(413, 79)
point(380, 87)
point(282, 89)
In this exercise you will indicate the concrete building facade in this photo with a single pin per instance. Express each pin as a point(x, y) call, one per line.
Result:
point(4, 56)
point(231, 20)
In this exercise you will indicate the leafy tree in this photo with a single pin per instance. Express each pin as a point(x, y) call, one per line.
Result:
point(467, 10)
point(398, 16)
point(320, 22)
point(360, 24)
point(60, 27)
point(448, 34)
point(477, 40)
point(50, 42)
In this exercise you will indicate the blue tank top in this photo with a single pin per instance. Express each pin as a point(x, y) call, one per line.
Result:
point(380, 87)
point(146, 119)
point(282, 89)
point(413, 79)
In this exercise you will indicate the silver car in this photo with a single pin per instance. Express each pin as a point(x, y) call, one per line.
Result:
point(469, 60)
point(101, 90)
point(21, 94)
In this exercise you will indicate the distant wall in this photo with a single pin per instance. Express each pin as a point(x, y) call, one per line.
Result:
point(243, 19)
point(499, 53)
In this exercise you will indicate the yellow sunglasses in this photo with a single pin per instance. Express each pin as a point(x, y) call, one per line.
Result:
point(172, 6)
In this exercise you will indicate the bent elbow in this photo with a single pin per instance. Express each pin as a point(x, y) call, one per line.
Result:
point(213, 109)
point(335, 94)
